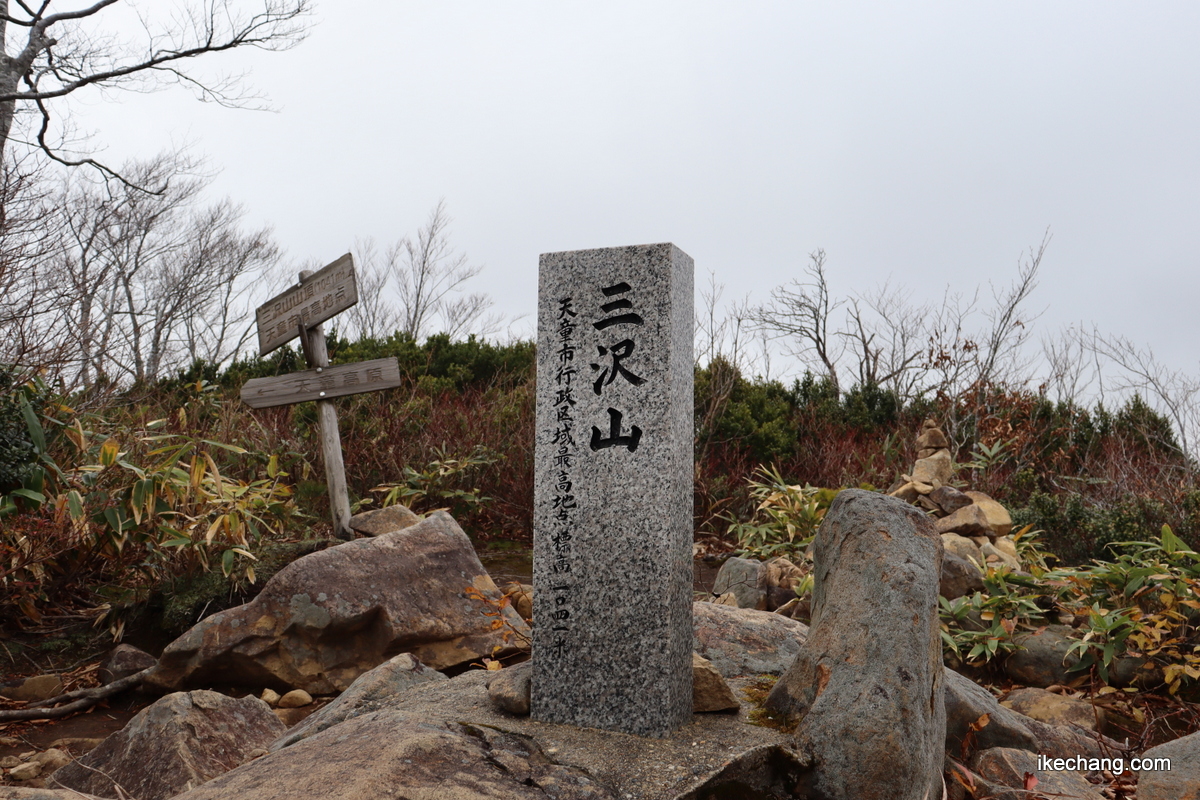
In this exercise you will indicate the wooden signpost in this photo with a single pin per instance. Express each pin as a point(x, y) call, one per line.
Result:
point(299, 312)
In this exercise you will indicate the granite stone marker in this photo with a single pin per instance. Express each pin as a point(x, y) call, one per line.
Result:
point(612, 553)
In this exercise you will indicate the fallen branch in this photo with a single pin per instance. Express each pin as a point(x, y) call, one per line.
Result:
point(82, 699)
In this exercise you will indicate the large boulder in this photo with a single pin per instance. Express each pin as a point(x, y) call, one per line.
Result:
point(1176, 778)
point(866, 689)
point(329, 617)
point(742, 641)
point(975, 720)
point(179, 742)
point(395, 754)
point(1044, 658)
point(371, 691)
point(1008, 768)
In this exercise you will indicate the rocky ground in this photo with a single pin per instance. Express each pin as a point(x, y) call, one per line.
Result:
point(315, 701)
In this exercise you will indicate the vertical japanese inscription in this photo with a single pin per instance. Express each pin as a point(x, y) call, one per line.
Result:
point(563, 503)
point(612, 490)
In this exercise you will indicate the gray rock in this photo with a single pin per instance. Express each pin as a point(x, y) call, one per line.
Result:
point(962, 547)
point(1043, 660)
point(1055, 709)
point(383, 520)
point(123, 661)
point(966, 521)
point(949, 499)
point(332, 615)
point(866, 689)
point(394, 754)
point(967, 703)
point(780, 577)
point(959, 577)
point(509, 689)
point(1182, 780)
point(371, 691)
point(745, 578)
point(1005, 767)
point(180, 741)
point(742, 641)
point(710, 692)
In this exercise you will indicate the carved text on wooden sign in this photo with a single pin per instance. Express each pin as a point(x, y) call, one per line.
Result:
point(322, 383)
point(320, 296)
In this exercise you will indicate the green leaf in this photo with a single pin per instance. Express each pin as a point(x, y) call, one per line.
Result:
point(227, 562)
point(29, 494)
point(36, 434)
point(75, 505)
point(233, 448)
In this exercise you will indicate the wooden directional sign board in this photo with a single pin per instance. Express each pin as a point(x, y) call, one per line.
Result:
point(318, 297)
point(322, 383)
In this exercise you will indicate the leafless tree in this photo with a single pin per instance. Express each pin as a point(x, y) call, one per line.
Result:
point(49, 54)
point(801, 314)
point(150, 281)
point(375, 314)
point(1002, 355)
point(1171, 392)
point(30, 234)
point(427, 271)
point(885, 334)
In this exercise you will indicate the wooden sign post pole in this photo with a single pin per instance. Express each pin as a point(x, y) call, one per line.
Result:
point(331, 441)
point(300, 311)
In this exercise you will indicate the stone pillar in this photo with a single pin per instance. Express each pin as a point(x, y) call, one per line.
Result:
point(612, 553)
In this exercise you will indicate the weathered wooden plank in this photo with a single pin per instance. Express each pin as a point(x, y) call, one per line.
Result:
point(327, 292)
point(322, 383)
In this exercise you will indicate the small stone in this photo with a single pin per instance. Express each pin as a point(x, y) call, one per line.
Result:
point(521, 597)
point(907, 492)
point(25, 772)
point(51, 759)
point(8, 762)
point(727, 599)
point(270, 697)
point(966, 521)
point(932, 437)
point(992, 553)
point(710, 692)
point(123, 661)
point(962, 547)
point(296, 698)
point(938, 466)
point(950, 499)
point(1006, 545)
point(35, 689)
point(510, 689)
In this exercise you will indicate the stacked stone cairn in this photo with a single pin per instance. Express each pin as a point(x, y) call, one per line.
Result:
point(973, 525)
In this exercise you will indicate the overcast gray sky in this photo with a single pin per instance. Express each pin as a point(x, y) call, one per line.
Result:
point(928, 144)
